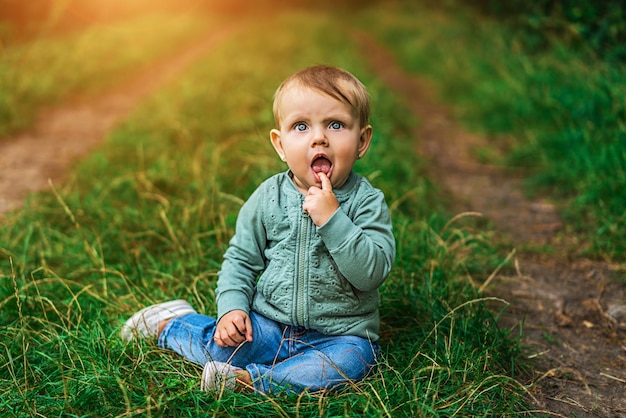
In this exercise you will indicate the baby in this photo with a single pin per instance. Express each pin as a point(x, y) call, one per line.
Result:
point(297, 293)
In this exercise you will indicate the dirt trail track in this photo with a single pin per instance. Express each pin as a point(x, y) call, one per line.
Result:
point(574, 315)
point(64, 133)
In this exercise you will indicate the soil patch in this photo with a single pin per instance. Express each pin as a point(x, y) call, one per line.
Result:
point(63, 134)
point(572, 313)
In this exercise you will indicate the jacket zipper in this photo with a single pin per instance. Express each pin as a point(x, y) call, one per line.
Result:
point(300, 302)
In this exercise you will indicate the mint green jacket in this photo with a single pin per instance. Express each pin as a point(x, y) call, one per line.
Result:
point(282, 266)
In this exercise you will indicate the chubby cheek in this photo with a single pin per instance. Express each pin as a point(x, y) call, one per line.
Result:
point(302, 170)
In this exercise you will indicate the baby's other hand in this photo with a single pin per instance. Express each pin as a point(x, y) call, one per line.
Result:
point(233, 329)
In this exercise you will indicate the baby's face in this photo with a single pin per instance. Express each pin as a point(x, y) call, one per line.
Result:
point(318, 133)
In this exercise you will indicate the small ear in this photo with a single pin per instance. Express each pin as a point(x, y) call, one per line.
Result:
point(365, 140)
point(277, 143)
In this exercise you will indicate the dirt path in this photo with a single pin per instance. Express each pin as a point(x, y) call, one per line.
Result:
point(575, 315)
point(63, 134)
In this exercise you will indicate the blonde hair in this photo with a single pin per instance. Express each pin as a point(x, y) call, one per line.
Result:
point(335, 82)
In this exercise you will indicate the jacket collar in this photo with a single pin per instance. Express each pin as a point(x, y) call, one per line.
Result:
point(344, 190)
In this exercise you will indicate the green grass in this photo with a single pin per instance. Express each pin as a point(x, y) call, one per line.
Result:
point(149, 215)
point(558, 113)
point(43, 71)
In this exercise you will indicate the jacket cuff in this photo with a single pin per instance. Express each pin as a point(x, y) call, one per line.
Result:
point(230, 301)
point(337, 230)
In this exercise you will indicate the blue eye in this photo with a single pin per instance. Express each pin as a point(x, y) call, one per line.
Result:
point(300, 127)
point(336, 125)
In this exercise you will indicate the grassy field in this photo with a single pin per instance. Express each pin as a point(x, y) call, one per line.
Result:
point(557, 114)
point(42, 71)
point(148, 216)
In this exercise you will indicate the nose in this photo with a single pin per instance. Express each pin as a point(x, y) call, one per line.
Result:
point(319, 137)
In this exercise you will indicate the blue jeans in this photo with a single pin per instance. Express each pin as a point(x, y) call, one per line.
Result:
point(281, 358)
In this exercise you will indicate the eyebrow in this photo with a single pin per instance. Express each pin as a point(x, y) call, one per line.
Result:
point(331, 116)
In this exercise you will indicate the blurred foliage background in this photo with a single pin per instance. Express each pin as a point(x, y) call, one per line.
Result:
point(596, 25)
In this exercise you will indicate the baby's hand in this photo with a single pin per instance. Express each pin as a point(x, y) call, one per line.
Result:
point(320, 204)
point(233, 329)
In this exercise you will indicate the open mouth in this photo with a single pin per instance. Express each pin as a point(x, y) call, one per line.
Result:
point(321, 164)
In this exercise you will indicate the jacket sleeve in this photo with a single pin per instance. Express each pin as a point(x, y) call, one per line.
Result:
point(362, 247)
point(243, 260)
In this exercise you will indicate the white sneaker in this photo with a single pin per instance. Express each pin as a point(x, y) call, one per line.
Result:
point(145, 323)
point(217, 375)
